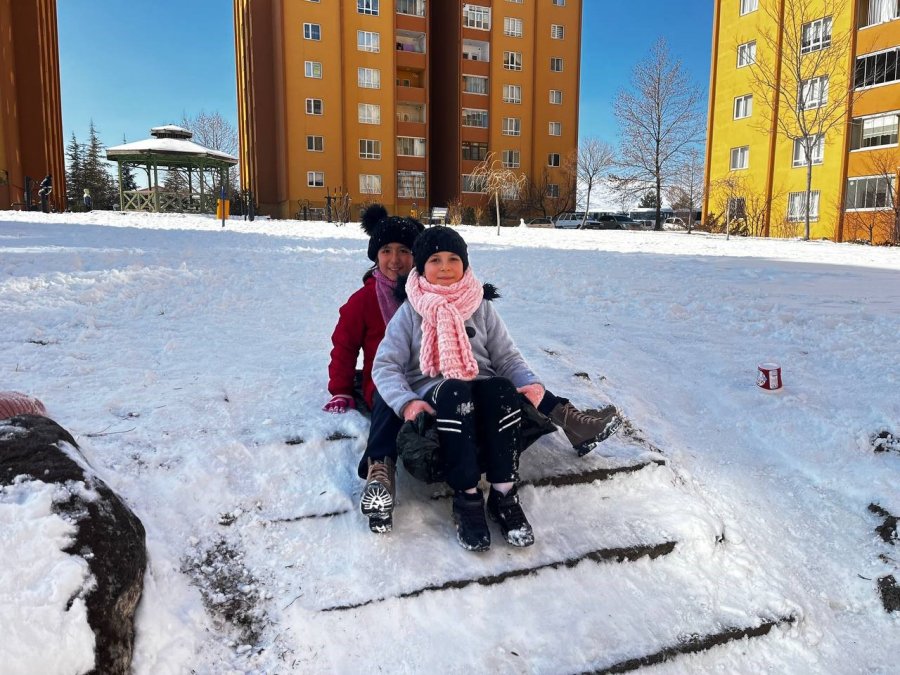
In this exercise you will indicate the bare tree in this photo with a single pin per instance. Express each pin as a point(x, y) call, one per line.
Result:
point(805, 94)
point(595, 159)
point(549, 199)
point(883, 216)
point(686, 193)
point(498, 181)
point(659, 121)
point(213, 131)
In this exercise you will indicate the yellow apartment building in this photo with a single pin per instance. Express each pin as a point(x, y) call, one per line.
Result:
point(754, 172)
point(31, 142)
point(397, 101)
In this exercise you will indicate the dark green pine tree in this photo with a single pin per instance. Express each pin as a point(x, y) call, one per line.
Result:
point(96, 173)
point(648, 201)
point(74, 173)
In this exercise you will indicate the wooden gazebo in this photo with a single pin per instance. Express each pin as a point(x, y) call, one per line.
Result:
point(171, 148)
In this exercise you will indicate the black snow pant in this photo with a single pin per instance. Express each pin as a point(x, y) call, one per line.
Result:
point(479, 427)
point(383, 430)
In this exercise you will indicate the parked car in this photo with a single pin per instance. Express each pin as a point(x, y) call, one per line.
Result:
point(540, 222)
point(612, 221)
point(573, 220)
point(674, 223)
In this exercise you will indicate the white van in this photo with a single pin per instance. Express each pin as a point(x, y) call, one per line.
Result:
point(572, 220)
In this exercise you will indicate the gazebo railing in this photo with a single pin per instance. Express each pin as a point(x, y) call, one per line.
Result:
point(169, 202)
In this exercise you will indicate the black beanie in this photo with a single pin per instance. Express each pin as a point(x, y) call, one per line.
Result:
point(439, 238)
point(383, 229)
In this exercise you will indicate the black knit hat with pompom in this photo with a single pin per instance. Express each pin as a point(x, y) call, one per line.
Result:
point(439, 238)
point(383, 229)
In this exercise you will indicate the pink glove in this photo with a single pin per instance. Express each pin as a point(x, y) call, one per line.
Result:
point(533, 392)
point(413, 408)
point(339, 404)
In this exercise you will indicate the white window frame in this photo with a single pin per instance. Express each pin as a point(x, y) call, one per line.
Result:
point(874, 17)
point(554, 128)
point(796, 203)
point(468, 184)
point(748, 6)
point(369, 7)
point(879, 125)
point(476, 17)
point(315, 179)
point(743, 106)
point(368, 78)
point(512, 126)
point(362, 113)
point(815, 35)
point(312, 141)
point(311, 106)
point(557, 31)
point(512, 93)
point(512, 26)
point(369, 184)
point(853, 190)
point(410, 146)
point(817, 86)
point(740, 158)
point(312, 31)
point(554, 159)
point(368, 41)
point(511, 159)
point(556, 94)
point(512, 60)
point(746, 54)
point(411, 179)
point(818, 151)
point(553, 190)
point(467, 78)
point(475, 114)
point(557, 64)
point(313, 69)
point(369, 148)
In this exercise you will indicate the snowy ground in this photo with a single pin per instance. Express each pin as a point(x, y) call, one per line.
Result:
point(190, 364)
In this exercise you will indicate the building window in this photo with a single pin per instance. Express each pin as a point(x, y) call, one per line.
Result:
point(511, 159)
point(407, 146)
point(473, 84)
point(411, 184)
point(880, 68)
point(369, 113)
point(411, 7)
point(812, 93)
point(874, 132)
point(474, 151)
point(740, 158)
point(312, 31)
point(474, 118)
point(553, 159)
point(818, 150)
point(367, 41)
point(315, 143)
point(367, 7)
point(472, 183)
point(556, 64)
point(476, 16)
point(870, 192)
point(555, 129)
point(815, 35)
point(313, 69)
point(512, 93)
point(369, 148)
point(743, 106)
point(516, 2)
point(313, 106)
point(559, 3)
point(368, 78)
point(369, 184)
point(512, 60)
point(746, 54)
point(315, 179)
point(512, 126)
point(512, 27)
point(797, 206)
point(553, 190)
point(557, 32)
point(555, 97)
point(872, 12)
point(748, 6)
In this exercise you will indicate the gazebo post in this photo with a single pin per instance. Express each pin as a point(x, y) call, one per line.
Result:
point(121, 194)
point(156, 190)
point(190, 188)
point(201, 188)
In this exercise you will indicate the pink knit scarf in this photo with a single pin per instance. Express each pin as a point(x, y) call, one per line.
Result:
point(444, 309)
point(384, 291)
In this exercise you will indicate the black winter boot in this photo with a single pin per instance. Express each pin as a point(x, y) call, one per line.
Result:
point(506, 510)
point(586, 429)
point(471, 527)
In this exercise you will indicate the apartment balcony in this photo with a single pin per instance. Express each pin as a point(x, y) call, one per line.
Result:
point(410, 94)
point(410, 128)
point(408, 163)
point(410, 14)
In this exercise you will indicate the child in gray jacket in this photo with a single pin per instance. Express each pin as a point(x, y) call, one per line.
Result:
point(448, 353)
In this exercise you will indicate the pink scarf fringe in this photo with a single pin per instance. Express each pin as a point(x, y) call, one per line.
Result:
point(444, 309)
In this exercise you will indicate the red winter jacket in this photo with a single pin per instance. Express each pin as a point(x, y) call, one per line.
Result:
point(360, 326)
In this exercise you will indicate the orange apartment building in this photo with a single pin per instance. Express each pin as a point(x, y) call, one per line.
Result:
point(397, 101)
point(31, 142)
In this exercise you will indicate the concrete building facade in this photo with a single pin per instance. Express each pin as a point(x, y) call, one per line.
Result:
point(397, 101)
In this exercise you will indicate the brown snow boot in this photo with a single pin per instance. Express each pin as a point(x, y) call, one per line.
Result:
point(586, 429)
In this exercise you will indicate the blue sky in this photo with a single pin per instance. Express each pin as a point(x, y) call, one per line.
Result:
point(131, 65)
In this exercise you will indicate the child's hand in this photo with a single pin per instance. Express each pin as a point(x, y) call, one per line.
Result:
point(533, 392)
point(339, 404)
point(413, 408)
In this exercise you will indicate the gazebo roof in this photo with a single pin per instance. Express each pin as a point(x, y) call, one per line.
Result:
point(170, 151)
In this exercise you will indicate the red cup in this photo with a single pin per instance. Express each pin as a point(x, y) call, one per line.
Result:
point(769, 376)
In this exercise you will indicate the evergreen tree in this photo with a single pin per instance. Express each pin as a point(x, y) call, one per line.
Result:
point(74, 173)
point(96, 173)
point(648, 201)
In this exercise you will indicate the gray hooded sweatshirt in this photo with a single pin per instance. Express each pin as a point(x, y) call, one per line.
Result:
point(396, 371)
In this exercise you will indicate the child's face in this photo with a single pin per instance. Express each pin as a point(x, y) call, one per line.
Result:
point(394, 260)
point(443, 268)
